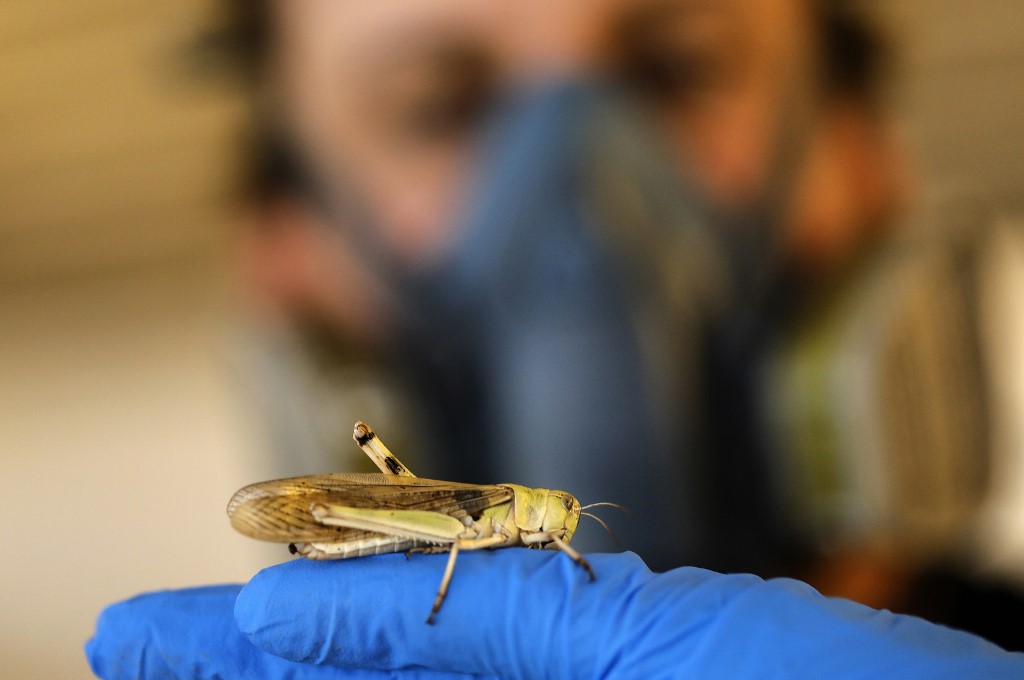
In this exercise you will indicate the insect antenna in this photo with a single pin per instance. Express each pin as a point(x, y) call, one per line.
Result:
point(606, 527)
point(609, 505)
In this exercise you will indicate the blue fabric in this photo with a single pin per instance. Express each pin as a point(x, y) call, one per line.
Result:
point(524, 614)
point(540, 326)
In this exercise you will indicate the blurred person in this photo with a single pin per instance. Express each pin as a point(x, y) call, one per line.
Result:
point(597, 249)
point(749, 277)
point(730, 213)
point(571, 236)
point(888, 397)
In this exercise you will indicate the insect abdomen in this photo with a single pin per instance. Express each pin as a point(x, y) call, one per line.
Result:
point(381, 544)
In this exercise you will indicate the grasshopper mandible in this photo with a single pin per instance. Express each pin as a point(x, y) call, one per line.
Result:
point(345, 515)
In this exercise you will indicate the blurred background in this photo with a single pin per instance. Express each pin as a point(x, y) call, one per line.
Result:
point(144, 377)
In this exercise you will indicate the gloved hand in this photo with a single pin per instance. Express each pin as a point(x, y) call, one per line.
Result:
point(525, 613)
point(192, 633)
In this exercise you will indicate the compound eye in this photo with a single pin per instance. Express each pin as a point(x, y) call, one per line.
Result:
point(567, 503)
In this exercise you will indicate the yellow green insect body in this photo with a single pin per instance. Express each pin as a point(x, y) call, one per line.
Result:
point(345, 515)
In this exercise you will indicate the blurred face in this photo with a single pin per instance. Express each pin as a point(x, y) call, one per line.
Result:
point(391, 94)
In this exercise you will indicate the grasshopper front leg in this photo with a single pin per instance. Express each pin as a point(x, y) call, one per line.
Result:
point(551, 537)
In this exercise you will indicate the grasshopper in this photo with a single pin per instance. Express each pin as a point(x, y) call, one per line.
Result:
point(345, 515)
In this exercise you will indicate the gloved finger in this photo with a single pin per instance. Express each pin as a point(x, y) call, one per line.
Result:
point(192, 634)
point(511, 613)
point(524, 613)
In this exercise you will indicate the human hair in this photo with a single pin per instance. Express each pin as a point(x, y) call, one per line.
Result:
point(854, 52)
point(237, 42)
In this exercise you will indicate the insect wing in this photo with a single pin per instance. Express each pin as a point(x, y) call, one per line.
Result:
point(280, 510)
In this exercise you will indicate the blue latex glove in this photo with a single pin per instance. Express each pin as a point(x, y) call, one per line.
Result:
point(523, 613)
point(192, 634)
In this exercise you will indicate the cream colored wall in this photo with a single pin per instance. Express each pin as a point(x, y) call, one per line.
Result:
point(119, 442)
point(119, 447)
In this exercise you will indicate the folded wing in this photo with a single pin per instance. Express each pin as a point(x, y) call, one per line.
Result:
point(279, 510)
